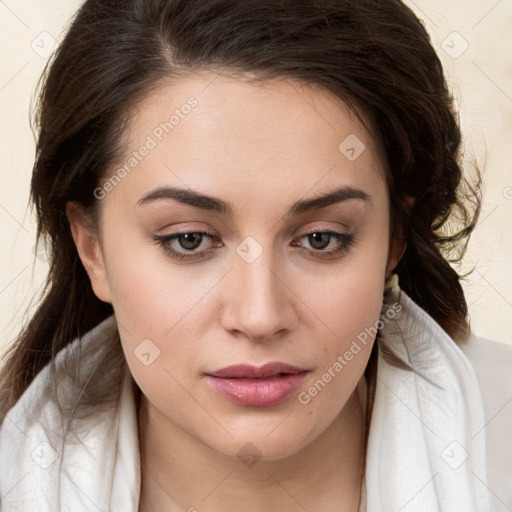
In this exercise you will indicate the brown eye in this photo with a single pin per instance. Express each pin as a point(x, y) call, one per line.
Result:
point(188, 245)
point(325, 244)
point(319, 240)
point(190, 241)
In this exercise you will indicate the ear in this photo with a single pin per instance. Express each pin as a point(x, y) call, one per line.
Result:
point(396, 251)
point(398, 246)
point(89, 250)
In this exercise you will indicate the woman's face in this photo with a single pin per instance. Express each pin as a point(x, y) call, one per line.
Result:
point(288, 189)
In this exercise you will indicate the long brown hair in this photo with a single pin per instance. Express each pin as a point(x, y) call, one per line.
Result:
point(374, 54)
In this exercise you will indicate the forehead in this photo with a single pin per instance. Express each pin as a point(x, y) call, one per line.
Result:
point(207, 128)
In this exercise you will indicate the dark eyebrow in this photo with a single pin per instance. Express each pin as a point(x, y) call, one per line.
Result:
point(214, 204)
point(336, 196)
point(188, 197)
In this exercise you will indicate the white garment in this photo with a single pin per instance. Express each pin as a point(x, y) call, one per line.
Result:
point(423, 454)
point(492, 362)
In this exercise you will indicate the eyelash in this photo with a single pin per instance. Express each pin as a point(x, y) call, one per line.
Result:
point(346, 239)
point(165, 240)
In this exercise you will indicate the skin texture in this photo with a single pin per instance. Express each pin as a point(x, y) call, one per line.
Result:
point(261, 148)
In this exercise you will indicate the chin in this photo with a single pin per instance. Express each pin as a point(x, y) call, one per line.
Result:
point(260, 445)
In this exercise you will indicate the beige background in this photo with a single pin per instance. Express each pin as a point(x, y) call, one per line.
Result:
point(473, 40)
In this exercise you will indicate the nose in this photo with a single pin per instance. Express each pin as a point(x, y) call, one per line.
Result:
point(258, 303)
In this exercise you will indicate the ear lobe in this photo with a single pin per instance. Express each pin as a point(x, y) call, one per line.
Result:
point(409, 203)
point(397, 247)
point(89, 250)
point(396, 251)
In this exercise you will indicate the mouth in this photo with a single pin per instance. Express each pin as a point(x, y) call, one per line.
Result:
point(253, 386)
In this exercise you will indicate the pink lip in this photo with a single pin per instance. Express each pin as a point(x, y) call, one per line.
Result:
point(257, 387)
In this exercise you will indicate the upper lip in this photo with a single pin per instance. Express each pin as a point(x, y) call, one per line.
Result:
point(254, 372)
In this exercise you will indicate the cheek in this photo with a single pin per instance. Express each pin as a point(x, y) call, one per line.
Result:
point(347, 308)
point(349, 300)
point(150, 294)
point(159, 308)
point(349, 314)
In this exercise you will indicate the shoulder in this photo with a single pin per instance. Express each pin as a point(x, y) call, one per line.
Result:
point(68, 383)
point(485, 353)
point(492, 363)
point(56, 419)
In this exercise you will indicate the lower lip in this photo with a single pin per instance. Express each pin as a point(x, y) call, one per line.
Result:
point(257, 392)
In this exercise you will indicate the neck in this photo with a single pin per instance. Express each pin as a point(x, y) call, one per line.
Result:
point(324, 476)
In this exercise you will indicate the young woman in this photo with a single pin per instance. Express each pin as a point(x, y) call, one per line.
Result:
point(248, 207)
